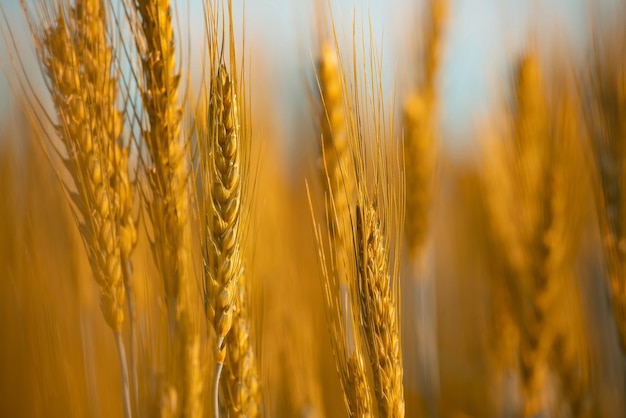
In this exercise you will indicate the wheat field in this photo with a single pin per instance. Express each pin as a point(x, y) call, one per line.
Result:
point(165, 253)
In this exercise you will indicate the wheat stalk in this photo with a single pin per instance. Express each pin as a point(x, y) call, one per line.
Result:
point(193, 371)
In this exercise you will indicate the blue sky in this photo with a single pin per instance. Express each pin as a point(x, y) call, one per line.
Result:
point(482, 37)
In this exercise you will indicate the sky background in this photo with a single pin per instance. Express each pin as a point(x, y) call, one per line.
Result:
point(482, 38)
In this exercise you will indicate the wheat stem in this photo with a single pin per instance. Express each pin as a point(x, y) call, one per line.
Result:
point(216, 389)
point(121, 352)
point(132, 318)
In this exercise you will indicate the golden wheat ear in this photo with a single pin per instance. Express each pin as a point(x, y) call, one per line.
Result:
point(338, 269)
point(224, 203)
point(378, 313)
point(78, 61)
point(225, 258)
point(165, 166)
point(225, 208)
point(167, 197)
point(604, 88)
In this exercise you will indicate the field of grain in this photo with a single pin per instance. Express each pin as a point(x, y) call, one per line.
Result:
point(174, 244)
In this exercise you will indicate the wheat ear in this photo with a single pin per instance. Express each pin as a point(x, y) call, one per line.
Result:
point(167, 198)
point(520, 206)
point(224, 146)
point(78, 62)
point(606, 126)
point(336, 168)
point(420, 146)
point(569, 348)
point(378, 312)
point(420, 154)
point(223, 249)
point(338, 181)
point(225, 208)
point(168, 205)
point(546, 229)
point(498, 193)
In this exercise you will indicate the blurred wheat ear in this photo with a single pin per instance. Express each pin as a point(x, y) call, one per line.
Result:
point(338, 180)
point(165, 167)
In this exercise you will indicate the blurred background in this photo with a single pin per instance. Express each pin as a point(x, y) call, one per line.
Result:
point(480, 40)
